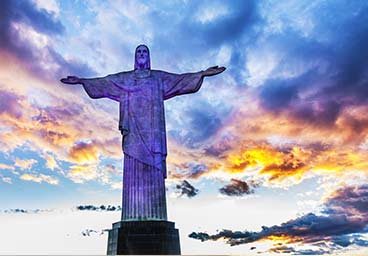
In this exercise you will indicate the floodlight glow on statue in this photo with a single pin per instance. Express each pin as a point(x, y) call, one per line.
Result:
point(141, 94)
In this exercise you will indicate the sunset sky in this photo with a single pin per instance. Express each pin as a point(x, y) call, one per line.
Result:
point(269, 157)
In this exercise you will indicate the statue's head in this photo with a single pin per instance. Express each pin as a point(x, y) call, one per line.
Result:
point(142, 57)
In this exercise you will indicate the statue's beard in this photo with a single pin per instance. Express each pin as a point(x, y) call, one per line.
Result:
point(142, 63)
point(145, 65)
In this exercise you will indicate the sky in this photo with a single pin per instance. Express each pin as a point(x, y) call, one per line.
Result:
point(270, 157)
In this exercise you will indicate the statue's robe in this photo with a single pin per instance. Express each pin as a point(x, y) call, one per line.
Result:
point(141, 95)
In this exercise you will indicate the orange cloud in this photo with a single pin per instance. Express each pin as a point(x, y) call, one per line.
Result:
point(49, 117)
point(278, 148)
point(83, 152)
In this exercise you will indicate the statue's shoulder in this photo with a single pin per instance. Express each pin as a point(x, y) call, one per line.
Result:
point(159, 72)
point(123, 75)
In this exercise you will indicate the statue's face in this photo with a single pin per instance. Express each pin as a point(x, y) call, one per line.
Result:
point(141, 55)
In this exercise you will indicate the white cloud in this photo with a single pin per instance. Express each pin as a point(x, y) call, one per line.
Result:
point(25, 164)
point(51, 162)
point(6, 167)
point(211, 12)
point(6, 179)
point(39, 178)
point(50, 6)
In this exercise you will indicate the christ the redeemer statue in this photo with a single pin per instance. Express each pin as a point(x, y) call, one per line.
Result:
point(141, 94)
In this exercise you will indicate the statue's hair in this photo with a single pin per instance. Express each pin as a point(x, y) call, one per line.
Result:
point(147, 65)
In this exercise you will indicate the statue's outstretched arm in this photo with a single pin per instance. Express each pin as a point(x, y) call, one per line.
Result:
point(179, 84)
point(101, 87)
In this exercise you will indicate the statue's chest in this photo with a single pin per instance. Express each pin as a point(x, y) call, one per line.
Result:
point(144, 93)
point(144, 83)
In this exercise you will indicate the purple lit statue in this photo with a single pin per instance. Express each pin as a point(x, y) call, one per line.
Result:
point(141, 94)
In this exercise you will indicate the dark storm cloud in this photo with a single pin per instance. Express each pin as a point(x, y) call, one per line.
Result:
point(227, 28)
point(74, 67)
point(278, 94)
point(239, 188)
point(344, 219)
point(185, 188)
point(339, 73)
point(351, 38)
point(101, 208)
point(205, 122)
point(25, 12)
point(235, 28)
point(203, 119)
point(352, 200)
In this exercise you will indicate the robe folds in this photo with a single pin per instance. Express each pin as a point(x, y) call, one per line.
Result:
point(142, 116)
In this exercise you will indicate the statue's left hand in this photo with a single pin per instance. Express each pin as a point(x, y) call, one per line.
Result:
point(71, 80)
point(212, 71)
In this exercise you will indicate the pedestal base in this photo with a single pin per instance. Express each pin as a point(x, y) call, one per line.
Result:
point(143, 237)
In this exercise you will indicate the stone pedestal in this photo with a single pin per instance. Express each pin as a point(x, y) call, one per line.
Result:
point(143, 237)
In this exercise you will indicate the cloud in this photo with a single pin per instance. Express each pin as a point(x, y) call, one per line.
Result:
point(89, 232)
point(239, 188)
point(82, 173)
point(188, 170)
point(113, 169)
point(51, 7)
point(315, 80)
point(6, 179)
point(293, 251)
point(50, 126)
point(27, 13)
point(25, 211)
point(311, 89)
point(9, 104)
point(185, 188)
point(51, 162)
point(198, 123)
point(24, 164)
point(226, 27)
point(26, 30)
point(6, 167)
point(101, 208)
point(84, 152)
point(39, 178)
point(341, 223)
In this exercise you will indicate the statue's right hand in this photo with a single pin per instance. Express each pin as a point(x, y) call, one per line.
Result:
point(71, 80)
